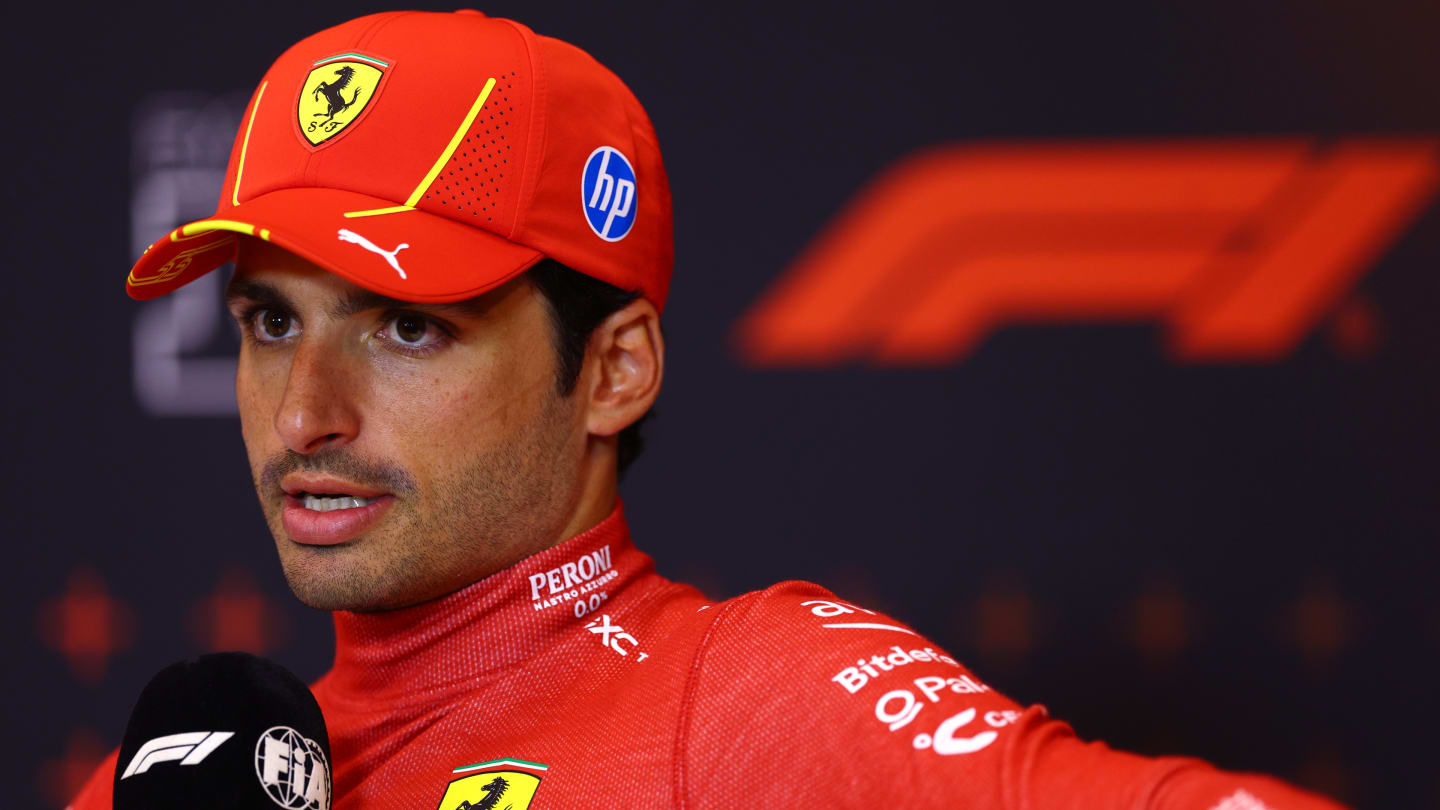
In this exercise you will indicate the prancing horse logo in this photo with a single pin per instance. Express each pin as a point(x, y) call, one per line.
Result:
point(335, 95)
point(387, 255)
point(501, 784)
point(331, 91)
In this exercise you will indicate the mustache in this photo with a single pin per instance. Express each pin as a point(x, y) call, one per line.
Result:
point(376, 473)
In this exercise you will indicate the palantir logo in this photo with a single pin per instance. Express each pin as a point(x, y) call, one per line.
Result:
point(607, 191)
point(292, 769)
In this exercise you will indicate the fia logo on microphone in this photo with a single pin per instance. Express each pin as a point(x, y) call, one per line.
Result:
point(607, 192)
point(292, 769)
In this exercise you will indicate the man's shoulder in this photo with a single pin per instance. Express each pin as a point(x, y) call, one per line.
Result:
point(795, 610)
point(797, 635)
point(829, 701)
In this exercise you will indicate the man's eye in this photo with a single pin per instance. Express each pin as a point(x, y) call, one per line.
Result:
point(411, 330)
point(271, 325)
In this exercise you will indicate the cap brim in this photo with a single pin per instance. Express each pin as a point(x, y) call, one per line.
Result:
point(404, 253)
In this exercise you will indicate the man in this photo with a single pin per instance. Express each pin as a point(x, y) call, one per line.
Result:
point(453, 245)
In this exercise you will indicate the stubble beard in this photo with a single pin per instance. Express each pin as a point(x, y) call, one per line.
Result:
point(509, 502)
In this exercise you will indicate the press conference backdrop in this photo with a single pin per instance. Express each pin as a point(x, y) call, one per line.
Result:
point(1095, 340)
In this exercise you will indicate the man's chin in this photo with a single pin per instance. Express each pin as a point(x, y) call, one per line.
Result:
point(324, 593)
point(335, 577)
point(328, 593)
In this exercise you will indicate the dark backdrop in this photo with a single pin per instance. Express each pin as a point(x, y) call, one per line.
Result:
point(1233, 560)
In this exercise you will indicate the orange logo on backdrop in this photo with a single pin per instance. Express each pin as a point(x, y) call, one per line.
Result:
point(1238, 246)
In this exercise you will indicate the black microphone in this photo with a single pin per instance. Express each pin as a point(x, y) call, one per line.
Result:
point(228, 731)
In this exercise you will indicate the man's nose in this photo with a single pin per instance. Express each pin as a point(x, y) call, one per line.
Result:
point(318, 409)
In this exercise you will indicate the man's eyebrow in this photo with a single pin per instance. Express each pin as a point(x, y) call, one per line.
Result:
point(239, 290)
point(351, 303)
point(356, 301)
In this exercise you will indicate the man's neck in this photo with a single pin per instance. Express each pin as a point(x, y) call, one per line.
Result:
point(490, 625)
point(599, 488)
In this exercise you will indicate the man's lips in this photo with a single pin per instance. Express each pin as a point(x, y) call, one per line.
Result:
point(298, 483)
point(314, 528)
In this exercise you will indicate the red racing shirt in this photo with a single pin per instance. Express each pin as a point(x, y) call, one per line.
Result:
point(579, 677)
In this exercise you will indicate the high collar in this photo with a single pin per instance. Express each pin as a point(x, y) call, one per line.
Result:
point(457, 640)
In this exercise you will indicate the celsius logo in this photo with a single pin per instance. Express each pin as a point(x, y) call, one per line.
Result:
point(292, 769)
point(607, 191)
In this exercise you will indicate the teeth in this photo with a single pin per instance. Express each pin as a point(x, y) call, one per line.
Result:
point(321, 503)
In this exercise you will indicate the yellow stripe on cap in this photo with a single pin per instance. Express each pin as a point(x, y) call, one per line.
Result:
point(208, 225)
point(375, 212)
point(454, 142)
point(245, 145)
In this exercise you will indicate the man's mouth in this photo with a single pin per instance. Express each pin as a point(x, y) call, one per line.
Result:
point(321, 502)
point(331, 518)
point(325, 510)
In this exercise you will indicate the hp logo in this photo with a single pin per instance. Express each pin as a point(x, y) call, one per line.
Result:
point(607, 190)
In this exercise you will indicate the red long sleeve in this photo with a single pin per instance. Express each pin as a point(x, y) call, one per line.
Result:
point(580, 676)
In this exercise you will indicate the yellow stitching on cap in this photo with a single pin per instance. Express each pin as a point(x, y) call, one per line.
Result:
point(207, 225)
point(454, 142)
point(181, 235)
point(178, 264)
point(244, 145)
point(375, 212)
point(265, 234)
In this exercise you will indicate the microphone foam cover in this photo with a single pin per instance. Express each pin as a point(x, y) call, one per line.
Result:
point(226, 731)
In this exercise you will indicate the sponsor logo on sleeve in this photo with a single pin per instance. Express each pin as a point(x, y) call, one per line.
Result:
point(898, 708)
point(827, 609)
point(855, 678)
point(963, 732)
point(946, 742)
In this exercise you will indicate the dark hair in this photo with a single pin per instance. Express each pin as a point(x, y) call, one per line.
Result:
point(578, 304)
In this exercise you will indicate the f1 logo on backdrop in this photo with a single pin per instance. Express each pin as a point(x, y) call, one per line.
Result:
point(1239, 247)
point(607, 189)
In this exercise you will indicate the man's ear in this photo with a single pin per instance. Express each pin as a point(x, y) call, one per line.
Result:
point(628, 357)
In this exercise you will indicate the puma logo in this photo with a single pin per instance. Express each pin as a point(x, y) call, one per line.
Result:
point(388, 255)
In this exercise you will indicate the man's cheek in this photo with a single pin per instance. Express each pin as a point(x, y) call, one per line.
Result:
point(257, 447)
point(446, 423)
point(250, 404)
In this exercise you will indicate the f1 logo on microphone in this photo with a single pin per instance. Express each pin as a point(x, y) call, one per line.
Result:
point(190, 748)
point(607, 191)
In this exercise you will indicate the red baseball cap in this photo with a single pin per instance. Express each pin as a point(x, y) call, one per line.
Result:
point(431, 157)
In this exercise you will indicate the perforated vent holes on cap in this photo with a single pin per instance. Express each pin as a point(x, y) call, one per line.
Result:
point(469, 189)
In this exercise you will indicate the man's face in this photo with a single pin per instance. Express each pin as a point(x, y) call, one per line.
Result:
point(400, 451)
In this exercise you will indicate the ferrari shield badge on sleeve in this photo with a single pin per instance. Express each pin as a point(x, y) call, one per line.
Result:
point(503, 783)
point(336, 94)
